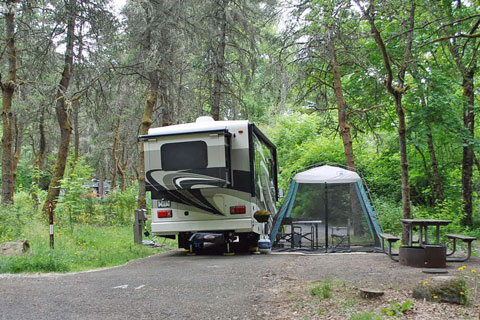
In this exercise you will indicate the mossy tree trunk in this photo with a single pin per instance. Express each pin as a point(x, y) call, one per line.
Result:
point(219, 66)
point(122, 169)
point(20, 122)
point(8, 90)
point(116, 135)
point(61, 111)
point(145, 125)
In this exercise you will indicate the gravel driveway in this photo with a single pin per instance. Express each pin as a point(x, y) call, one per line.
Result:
point(175, 286)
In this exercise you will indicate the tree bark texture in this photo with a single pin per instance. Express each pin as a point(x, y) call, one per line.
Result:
point(145, 125)
point(122, 169)
point(467, 162)
point(8, 90)
point(40, 155)
point(101, 181)
point(20, 122)
point(164, 102)
point(219, 66)
point(116, 134)
point(61, 111)
point(343, 123)
point(76, 130)
point(428, 176)
point(467, 66)
point(437, 178)
point(402, 140)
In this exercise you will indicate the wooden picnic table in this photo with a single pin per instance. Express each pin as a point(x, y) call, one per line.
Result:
point(423, 225)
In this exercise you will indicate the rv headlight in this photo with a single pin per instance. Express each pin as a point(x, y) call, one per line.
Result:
point(163, 203)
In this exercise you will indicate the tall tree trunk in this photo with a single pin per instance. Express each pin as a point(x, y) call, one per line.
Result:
point(8, 90)
point(343, 123)
point(344, 128)
point(437, 178)
point(437, 190)
point(428, 177)
point(397, 92)
point(101, 181)
point(116, 133)
point(61, 111)
point(164, 102)
point(219, 67)
point(467, 162)
point(76, 129)
point(40, 155)
point(146, 123)
point(467, 66)
point(402, 140)
point(122, 168)
point(19, 130)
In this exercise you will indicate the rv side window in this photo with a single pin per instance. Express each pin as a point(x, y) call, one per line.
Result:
point(184, 155)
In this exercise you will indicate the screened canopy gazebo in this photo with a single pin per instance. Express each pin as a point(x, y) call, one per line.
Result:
point(333, 200)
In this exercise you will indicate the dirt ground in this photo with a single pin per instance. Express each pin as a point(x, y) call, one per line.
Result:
point(291, 297)
point(173, 285)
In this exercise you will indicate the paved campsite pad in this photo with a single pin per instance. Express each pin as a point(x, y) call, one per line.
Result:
point(175, 286)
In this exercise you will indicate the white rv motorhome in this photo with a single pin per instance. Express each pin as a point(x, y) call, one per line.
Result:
point(210, 177)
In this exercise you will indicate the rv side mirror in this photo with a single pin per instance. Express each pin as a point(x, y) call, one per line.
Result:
point(281, 193)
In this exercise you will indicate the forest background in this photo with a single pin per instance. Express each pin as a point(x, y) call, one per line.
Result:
point(384, 87)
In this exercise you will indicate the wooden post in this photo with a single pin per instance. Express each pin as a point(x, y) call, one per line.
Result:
point(50, 218)
point(139, 225)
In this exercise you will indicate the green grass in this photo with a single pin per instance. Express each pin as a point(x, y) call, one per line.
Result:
point(322, 290)
point(89, 247)
point(366, 316)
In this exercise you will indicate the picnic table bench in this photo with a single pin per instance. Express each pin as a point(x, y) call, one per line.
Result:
point(391, 240)
point(466, 239)
point(431, 251)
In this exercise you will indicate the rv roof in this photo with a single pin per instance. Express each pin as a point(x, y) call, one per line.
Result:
point(198, 127)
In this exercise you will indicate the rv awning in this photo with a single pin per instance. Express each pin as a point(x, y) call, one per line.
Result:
point(326, 174)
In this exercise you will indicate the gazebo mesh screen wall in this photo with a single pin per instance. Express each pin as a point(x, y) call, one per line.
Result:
point(345, 223)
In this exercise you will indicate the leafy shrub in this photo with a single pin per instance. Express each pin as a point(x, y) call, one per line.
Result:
point(77, 204)
point(389, 214)
point(118, 207)
point(14, 219)
point(397, 309)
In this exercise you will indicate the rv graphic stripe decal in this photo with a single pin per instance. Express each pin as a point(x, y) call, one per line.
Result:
point(185, 186)
point(240, 182)
point(200, 198)
point(197, 179)
point(187, 179)
point(189, 197)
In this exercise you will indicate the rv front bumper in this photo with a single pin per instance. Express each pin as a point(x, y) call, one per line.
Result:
point(173, 227)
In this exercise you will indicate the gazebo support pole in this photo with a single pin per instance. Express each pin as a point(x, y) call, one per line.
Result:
point(326, 218)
